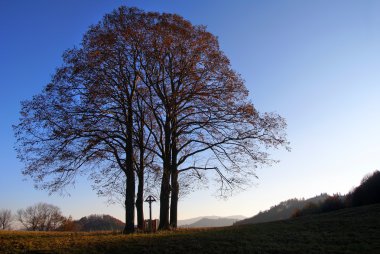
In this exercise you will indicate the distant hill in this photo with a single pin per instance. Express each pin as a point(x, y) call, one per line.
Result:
point(107, 222)
point(98, 223)
point(210, 221)
point(282, 211)
point(193, 220)
point(205, 222)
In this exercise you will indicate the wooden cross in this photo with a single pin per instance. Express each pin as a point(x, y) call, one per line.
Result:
point(150, 199)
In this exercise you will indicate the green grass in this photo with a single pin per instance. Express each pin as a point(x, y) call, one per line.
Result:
point(355, 230)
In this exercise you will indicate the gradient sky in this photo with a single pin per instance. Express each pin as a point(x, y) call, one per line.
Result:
point(317, 63)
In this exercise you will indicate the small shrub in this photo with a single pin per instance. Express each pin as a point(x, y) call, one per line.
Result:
point(308, 209)
point(332, 203)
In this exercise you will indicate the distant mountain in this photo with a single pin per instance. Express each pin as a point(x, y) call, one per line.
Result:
point(210, 221)
point(205, 222)
point(237, 217)
point(282, 211)
point(192, 220)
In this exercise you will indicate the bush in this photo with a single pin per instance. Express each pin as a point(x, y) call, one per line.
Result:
point(68, 225)
point(310, 208)
point(332, 203)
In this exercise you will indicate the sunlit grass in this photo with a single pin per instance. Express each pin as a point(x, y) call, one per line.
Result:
point(346, 231)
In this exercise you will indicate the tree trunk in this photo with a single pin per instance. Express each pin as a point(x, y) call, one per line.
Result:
point(141, 170)
point(174, 183)
point(164, 199)
point(130, 174)
point(174, 199)
point(130, 204)
point(165, 183)
point(140, 201)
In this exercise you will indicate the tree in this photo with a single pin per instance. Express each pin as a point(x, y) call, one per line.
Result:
point(41, 217)
point(68, 225)
point(83, 121)
point(145, 89)
point(200, 105)
point(368, 192)
point(5, 219)
point(144, 158)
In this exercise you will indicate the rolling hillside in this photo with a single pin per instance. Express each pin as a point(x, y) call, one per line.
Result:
point(282, 211)
point(352, 230)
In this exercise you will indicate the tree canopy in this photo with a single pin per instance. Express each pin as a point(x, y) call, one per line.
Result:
point(145, 92)
point(5, 219)
point(41, 217)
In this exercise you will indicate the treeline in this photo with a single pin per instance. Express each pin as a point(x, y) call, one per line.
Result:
point(38, 217)
point(367, 193)
point(281, 211)
point(47, 217)
point(147, 100)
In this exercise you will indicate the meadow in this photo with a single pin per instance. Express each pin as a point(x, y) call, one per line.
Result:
point(353, 230)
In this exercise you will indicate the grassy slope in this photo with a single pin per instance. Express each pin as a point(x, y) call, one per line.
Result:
point(355, 230)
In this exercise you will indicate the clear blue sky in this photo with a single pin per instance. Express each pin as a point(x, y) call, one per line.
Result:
point(317, 63)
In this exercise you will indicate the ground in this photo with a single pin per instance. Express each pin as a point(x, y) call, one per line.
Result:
point(354, 230)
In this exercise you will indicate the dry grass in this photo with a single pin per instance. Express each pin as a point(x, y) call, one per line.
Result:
point(346, 231)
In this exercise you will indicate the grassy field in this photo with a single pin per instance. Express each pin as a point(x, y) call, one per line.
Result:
point(355, 230)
